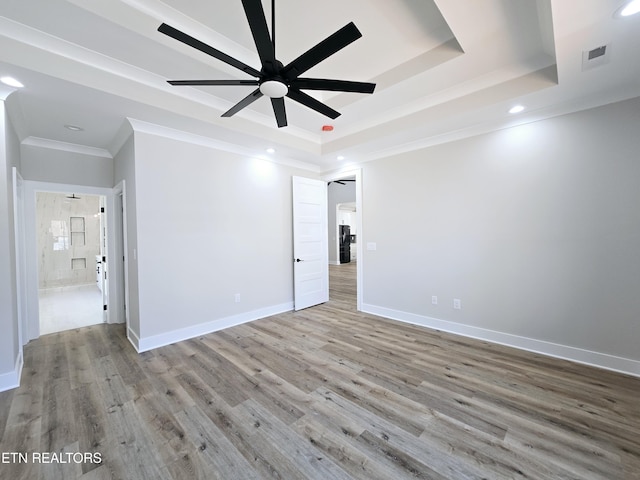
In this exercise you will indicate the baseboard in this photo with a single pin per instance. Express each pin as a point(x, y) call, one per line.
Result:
point(133, 339)
point(565, 352)
point(11, 379)
point(156, 341)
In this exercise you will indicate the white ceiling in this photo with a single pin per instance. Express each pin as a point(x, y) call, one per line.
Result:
point(444, 69)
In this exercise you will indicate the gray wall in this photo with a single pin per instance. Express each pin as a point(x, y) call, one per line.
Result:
point(9, 344)
point(210, 224)
point(535, 228)
point(60, 166)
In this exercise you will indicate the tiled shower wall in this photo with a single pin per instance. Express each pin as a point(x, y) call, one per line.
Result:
point(68, 239)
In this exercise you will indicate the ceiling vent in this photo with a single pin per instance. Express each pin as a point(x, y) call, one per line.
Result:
point(596, 57)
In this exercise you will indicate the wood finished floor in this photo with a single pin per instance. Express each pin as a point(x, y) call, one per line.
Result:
point(319, 394)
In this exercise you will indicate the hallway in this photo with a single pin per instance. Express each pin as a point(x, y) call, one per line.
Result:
point(343, 285)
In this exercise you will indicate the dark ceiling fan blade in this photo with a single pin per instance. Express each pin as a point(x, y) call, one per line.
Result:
point(327, 47)
point(279, 111)
point(248, 100)
point(333, 85)
point(258, 25)
point(213, 82)
point(312, 103)
point(209, 50)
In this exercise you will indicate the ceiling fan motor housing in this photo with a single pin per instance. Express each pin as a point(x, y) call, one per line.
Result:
point(275, 80)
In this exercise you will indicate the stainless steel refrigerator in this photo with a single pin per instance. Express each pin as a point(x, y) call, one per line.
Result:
point(345, 243)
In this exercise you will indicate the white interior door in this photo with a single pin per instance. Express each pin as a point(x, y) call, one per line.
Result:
point(310, 251)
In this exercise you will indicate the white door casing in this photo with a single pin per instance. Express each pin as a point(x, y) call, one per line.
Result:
point(310, 249)
point(21, 275)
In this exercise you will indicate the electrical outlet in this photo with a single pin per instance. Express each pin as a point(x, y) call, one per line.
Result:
point(237, 297)
point(457, 304)
point(434, 300)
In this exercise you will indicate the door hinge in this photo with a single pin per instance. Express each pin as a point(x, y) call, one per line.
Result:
point(101, 209)
point(104, 307)
point(104, 259)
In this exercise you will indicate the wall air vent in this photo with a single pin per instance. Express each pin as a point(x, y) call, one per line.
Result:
point(597, 52)
point(596, 57)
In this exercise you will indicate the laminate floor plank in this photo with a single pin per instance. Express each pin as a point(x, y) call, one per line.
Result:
point(214, 449)
point(167, 386)
point(6, 400)
point(307, 460)
point(92, 436)
point(353, 461)
point(59, 428)
point(65, 469)
point(22, 438)
point(100, 473)
point(130, 448)
point(325, 392)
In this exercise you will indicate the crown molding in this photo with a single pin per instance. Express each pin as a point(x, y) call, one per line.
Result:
point(66, 147)
point(160, 130)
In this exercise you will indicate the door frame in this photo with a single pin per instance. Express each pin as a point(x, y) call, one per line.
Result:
point(30, 252)
point(357, 173)
point(119, 238)
point(21, 280)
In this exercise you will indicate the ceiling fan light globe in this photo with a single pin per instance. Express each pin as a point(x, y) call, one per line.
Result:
point(274, 89)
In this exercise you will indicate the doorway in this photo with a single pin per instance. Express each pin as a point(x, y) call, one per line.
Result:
point(345, 233)
point(111, 297)
point(71, 245)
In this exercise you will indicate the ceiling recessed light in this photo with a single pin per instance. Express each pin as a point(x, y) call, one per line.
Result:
point(12, 82)
point(629, 8)
point(74, 128)
point(516, 109)
point(271, 150)
point(340, 157)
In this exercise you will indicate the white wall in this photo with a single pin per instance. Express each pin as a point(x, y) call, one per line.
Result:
point(10, 359)
point(535, 228)
point(69, 167)
point(210, 224)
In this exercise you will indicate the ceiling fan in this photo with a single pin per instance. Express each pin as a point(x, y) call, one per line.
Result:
point(341, 182)
point(274, 79)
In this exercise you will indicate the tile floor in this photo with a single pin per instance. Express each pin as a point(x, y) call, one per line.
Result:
point(66, 308)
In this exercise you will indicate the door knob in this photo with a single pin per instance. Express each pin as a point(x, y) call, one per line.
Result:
point(298, 260)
